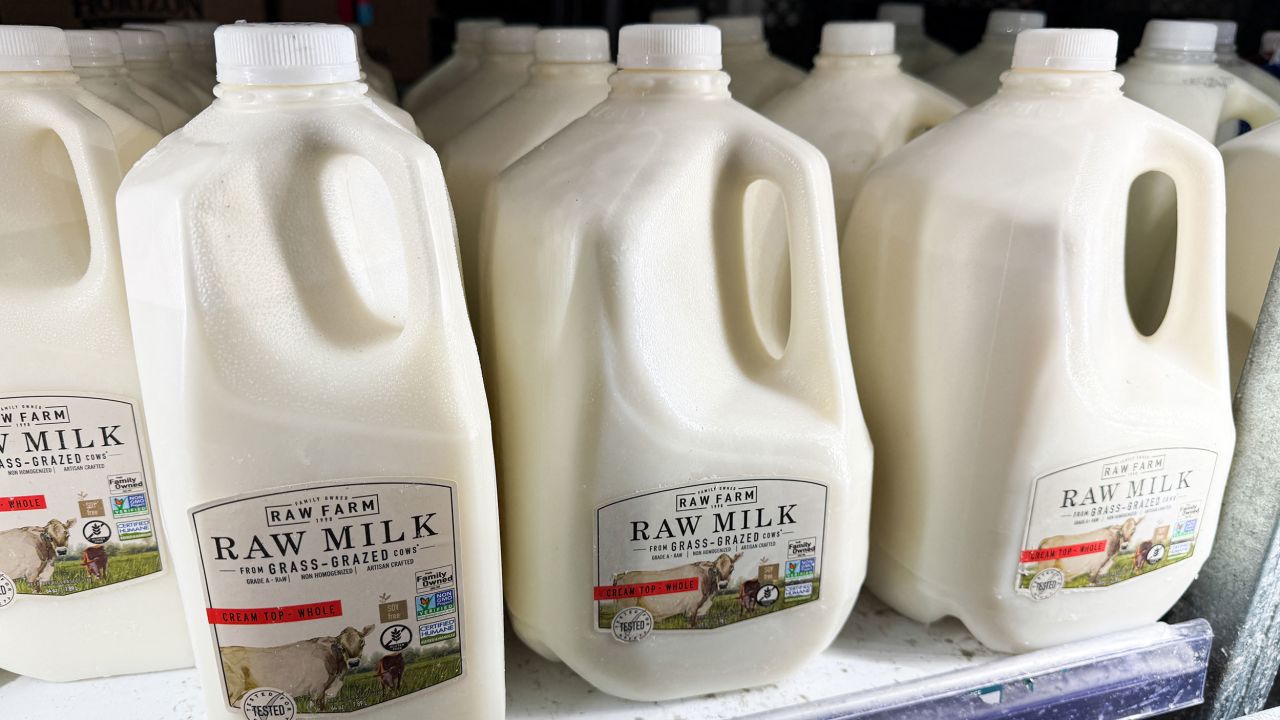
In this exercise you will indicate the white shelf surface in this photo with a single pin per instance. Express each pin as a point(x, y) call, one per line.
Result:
point(877, 656)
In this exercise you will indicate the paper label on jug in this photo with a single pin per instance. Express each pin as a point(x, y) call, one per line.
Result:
point(339, 595)
point(1115, 519)
point(76, 510)
point(707, 555)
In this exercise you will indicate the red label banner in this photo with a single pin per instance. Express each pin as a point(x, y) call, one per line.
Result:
point(1064, 551)
point(23, 502)
point(635, 590)
point(273, 615)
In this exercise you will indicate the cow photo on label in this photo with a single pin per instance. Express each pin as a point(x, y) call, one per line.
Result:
point(29, 553)
point(312, 669)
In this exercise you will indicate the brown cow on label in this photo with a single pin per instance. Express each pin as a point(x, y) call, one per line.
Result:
point(94, 560)
point(712, 577)
point(1095, 565)
point(308, 668)
point(390, 671)
point(747, 595)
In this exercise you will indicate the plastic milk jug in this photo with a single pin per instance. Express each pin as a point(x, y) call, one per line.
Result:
point(569, 76)
point(920, 53)
point(755, 76)
point(1253, 163)
point(183, 65)
point(376, 75)
point(508, 52)
point(1173, 72)
point(857, 105)
point(147, 61)
point(464, 61)
point(97, 58)
point(705, 497)
point(1043, 472)
point(1268, 46)
point(79, 534)
point(303, 338)
point(1230, 60)
point(975, 75)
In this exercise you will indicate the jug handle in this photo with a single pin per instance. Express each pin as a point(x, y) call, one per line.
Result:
point(422, 216)
point(817, 308)
point(93, 155)
point(1247, 103)
point(1197, 301)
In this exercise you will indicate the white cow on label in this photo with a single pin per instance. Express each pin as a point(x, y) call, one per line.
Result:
point(311, 668)
point(30, 553)
point(712, 577)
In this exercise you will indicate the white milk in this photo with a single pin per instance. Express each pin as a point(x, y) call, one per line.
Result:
point(1031, 446)
point(857, 105)
point(184, 67)
point(1173, 72)
point(755, 76)
point(508, 52)
point(1252, 161)
point(71, 428)
point(96, 57)
point(147, 61)
point(920, 53)
point(465, 60)
point(200, 34)
point(569, 77)
point(636, 401)
point(303, 338)
point(376, 75)
point(975, 75)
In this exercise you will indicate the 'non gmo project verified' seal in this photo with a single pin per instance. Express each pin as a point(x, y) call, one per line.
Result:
point(436, 600)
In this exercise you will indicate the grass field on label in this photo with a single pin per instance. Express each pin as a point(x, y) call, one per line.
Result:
point(360, 690)
point(70, 576)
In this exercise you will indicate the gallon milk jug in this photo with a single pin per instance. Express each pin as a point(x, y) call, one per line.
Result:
point(184, 68)
point(569, 77)
point(98, 60)
point(464, 61)
point(508, 52)
point(975, 75)
point(683, 15)
point(755, 76)
point(857, 105)
point(376, 75)
point(1230, 61)
point(1043, 472)
point(200, 33)
point(147, 61)
point(705, 498)
point(302, 333)
point(83, 559)
point(920, 53)
point(1173, 72)
point(1253, 166)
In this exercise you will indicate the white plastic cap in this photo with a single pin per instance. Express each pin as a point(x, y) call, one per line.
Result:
point(199, 32)
point(1012, 22)
point(674, 16)
point(32, 48)
point(471, 30)
point(94, 48)
point(900, 13)
point(669, 47)
point(510, 39)
point(1226, 29)
point(1179, 35)
point(857, 38)
point(1270, 43)
point(175, 38)
point(143, 45)
point(739, 29)
point(286, 54)
point(571, 45)
point(1065, 49)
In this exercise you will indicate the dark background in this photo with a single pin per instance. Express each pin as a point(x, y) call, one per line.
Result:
point(408, 35)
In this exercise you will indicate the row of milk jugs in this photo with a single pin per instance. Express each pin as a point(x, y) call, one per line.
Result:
point(671, 302)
